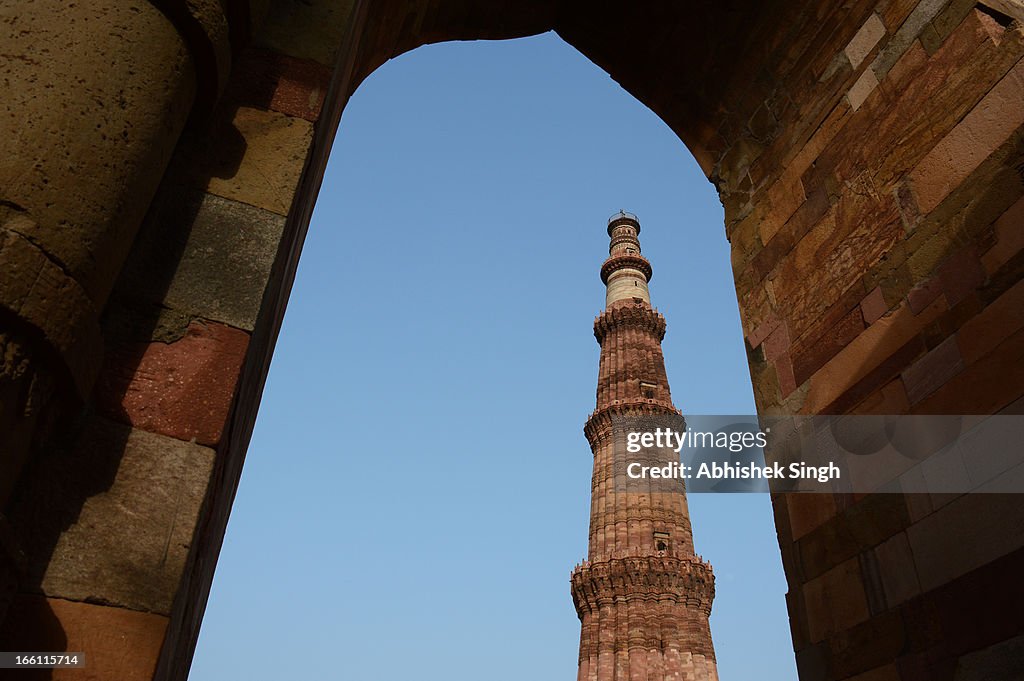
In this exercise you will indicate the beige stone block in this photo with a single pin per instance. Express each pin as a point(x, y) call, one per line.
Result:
point(863, 87)
point(111, 519)
point(250, 156)
point(865, 40)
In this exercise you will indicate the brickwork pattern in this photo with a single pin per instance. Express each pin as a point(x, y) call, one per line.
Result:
point(642, 596)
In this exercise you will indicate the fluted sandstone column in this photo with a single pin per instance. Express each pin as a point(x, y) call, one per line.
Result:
point(95, 96)
point(643, 597)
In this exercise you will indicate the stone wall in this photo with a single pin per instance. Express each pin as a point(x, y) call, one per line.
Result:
point(869, 156)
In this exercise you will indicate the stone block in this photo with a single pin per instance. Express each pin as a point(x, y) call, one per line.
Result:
point(873, 306)
point(973, 139)
point(867, 645)
point(110, 519)
point(891, 398)
point(182, 389)
point(810, 355)
point(965, 534)
point(784, 197)
point(865, 40)
point(908, 32)
point(922, 295)
point(929, 373)
point(939, 28)
point(835, 601)
point(898, 572)
point(1002, 318)
point(834, 255)
point(777, 343)
point(982, 607)
point(763, 330)
point(861, 89)
point(1009, 238)
point(276, 82)
point(902, 131)
point(854, 398)
point(869, 350)
point(994, 663)
point(247, 155)
point(205, 256)
point(809, 511)
point(787, 379)
point(118, 643)
point(984, 387)
point(960, 275)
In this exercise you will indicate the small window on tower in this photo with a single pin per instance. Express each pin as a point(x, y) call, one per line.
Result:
point(631, 251)
point(661, 541)
point(647, 390)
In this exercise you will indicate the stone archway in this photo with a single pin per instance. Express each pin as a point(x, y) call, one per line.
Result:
point(882, 139)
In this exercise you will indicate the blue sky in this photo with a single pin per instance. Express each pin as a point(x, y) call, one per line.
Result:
point(416, 491)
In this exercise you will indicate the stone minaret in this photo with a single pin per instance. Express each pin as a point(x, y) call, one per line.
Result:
point(642, 596)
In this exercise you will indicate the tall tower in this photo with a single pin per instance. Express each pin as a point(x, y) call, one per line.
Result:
point(643, 597)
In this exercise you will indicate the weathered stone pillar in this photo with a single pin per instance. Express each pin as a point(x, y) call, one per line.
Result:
point(96, 95)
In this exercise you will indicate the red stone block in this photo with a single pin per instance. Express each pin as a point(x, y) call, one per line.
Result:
point(277, 82)
point(787, 381)
point(181, 389)
point(877, 377)
point(985, 387)
point(757, 336)
point(873, 306)
point(118, 643)
point(813, 355)
point(777, 343)
point(960, 275)
point(922, 295)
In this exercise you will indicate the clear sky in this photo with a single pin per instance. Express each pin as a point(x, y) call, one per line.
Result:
point(417, 488)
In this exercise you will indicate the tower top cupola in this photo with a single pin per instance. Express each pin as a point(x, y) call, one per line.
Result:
point(626, 272)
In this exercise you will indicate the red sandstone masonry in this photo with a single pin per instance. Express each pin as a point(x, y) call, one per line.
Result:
point(277, 82)
point(986, 127)
point(641, 607)
point(181, 389)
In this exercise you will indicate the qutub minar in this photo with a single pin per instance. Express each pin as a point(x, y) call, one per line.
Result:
point(643, 597)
